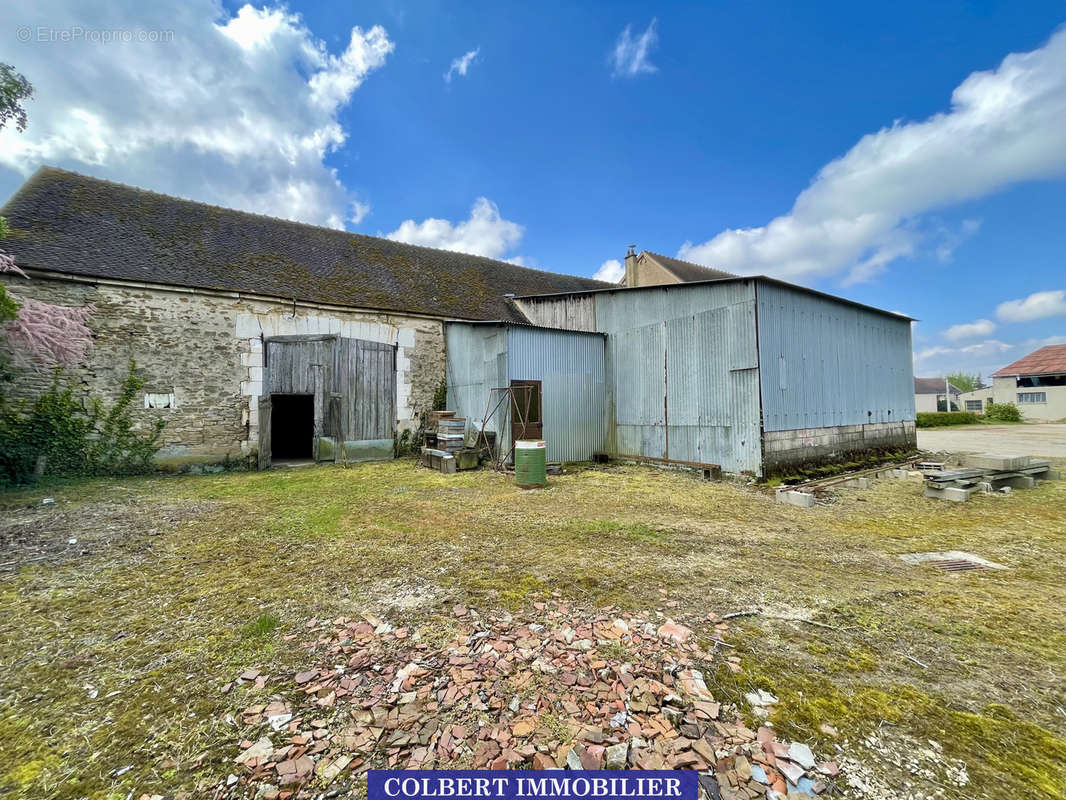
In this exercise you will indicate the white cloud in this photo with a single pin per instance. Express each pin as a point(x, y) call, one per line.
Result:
point(610, 270)
point(1036, 306)
point(951, 240)
point(359, 212)
point(970, 330)
point(239, 110)
point(484, 233)
point(629, 57)
point(862, 210)
point(982, 357)
point(461, 65)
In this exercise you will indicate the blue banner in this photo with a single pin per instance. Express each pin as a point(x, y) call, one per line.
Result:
point(454, 784)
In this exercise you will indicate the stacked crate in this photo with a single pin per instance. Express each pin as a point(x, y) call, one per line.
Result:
point(451, 434)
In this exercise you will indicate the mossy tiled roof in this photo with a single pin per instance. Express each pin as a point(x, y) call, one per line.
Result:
point(65, 222)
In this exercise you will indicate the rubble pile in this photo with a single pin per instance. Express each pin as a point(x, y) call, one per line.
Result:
point(557, 691)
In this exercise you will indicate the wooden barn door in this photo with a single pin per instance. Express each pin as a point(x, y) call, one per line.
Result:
point(368, 373)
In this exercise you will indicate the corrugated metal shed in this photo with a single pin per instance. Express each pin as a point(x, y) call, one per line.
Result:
point(569, 365)
point(826, 363)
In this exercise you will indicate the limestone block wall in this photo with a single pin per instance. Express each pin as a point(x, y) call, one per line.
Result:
point(206, 349)
point(782, 449)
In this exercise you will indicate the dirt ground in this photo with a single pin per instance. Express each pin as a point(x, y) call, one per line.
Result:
point(129, 610)
point(1046, 439)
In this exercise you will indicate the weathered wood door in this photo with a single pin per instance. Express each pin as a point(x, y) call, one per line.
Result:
point(366, 374)
point(264, 431)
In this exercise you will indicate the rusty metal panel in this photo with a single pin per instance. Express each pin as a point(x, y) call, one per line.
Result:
point(569, 366)
point(826, 363)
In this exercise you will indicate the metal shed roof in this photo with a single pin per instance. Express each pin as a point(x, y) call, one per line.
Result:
point(689, 284)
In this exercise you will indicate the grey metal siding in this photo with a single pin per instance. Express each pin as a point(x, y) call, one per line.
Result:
point(826, 363)
point(682, 374)
point(569, 366)
point(476, 363)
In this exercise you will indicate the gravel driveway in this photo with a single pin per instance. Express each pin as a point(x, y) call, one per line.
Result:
point(1046, 439)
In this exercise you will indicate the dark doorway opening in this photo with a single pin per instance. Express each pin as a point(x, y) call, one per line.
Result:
point(292, 426)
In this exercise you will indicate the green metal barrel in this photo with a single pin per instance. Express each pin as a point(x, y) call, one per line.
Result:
point(530, 458)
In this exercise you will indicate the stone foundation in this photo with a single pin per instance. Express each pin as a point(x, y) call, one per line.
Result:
point(205, 349)
point(813, 446)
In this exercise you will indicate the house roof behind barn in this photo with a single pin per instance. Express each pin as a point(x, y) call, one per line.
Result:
point(686, 271)
point(932, 386)
point(1047, 360)
point(69, 223)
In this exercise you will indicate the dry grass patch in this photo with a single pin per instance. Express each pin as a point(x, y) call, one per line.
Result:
point(115, 658)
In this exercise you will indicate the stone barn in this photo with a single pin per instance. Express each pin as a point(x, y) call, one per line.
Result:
point(256, 336)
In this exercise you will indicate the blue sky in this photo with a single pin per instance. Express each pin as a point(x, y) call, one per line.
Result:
point(568, 132)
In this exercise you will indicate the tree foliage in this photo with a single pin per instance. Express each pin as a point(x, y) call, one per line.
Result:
point(964, 381)
point(14, 90)
point(54, 435)
point(1003, 412)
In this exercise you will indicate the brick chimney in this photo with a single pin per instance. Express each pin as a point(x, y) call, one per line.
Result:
point(631, 266)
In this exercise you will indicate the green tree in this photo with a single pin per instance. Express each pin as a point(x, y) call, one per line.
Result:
point(14, 90)
point(965, 382)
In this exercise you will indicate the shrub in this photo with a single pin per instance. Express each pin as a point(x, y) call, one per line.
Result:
point(55, 436)
point(929, 419)
point(1003, 412)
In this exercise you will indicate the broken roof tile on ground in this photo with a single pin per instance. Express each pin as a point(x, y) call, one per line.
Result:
point(557, 691)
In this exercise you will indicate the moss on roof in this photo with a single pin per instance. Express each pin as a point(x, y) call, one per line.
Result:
point(65, 222)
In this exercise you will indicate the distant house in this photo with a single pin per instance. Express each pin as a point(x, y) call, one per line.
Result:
point(1035, 383)
point(931, 394)
point(651, 269)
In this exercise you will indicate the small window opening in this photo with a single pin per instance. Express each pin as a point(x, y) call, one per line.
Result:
point(159, 400)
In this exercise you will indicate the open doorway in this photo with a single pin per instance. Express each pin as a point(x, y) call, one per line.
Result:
point(292, 427)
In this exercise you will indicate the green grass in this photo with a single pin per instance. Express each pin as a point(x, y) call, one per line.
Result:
point(240, 560)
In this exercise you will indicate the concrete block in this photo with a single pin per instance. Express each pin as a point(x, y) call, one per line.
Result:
point(857, 483)
point(995, 461)
point(1050, 475)
point(801, 499)
point(952, 493)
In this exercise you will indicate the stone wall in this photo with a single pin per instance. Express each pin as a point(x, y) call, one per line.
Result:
point(205, 348)
point(812, 446)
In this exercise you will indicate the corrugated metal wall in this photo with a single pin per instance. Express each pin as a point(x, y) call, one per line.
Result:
point(568, 364)
point(570, 367)
point(826, 363)
point(476, 362)
point(682, 374)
